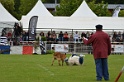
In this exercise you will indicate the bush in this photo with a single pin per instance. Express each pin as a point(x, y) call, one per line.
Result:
point(43, 38)
point(49, 52)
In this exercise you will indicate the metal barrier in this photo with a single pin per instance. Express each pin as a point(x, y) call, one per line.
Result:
point(79, 47)
point(75, 47)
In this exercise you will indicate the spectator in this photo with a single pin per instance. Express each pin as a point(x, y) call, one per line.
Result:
point(54, 33)
point(65, 36)
point(42, 34)
point(55, 40)
point(76, 37)
point(119, 37)
point(83, 35)
point(71, 39)
point(87, 34)
point(91, 33)
point(50, 39)
point(123, 36)
point(17, 30)
point(24, 36)
point(71, 45)
point(48, 33)
point(60, 36)
point(9, 36)
point(17, 33)
point(114, 37)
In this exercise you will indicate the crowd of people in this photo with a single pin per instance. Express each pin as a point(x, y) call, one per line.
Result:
point(72, 37)
point(118, 37)
point(54, 37)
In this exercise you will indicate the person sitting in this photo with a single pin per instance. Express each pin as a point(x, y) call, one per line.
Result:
point(76, 37)
point(65, 36)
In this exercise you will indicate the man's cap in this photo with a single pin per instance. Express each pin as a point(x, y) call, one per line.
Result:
point(99, 26)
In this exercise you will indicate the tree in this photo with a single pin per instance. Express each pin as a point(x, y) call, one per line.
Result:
point(9, 6)
point(100, 9)
point(16, 5)
point(67, 7)
point(121, 13)
point(17, 12)
point(26, 6)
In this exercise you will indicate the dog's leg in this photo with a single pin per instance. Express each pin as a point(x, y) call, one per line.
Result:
point(52, 62)
point(62, 62)
point(59, 61)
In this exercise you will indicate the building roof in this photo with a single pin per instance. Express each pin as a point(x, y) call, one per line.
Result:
point(110, 6)
point(113, 6)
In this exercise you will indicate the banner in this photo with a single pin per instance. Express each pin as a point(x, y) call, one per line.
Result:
point(116, 11)
point(60, 47)
point(32, 28)
point(118, 48)
point(4, 49)
point(27, 50)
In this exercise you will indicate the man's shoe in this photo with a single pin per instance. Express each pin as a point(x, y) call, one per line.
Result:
point(98, 80)
point(106, 79)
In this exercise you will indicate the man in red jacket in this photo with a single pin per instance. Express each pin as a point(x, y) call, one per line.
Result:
point(101, 50)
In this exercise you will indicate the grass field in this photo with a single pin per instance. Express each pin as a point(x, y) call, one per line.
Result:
point(37, 68)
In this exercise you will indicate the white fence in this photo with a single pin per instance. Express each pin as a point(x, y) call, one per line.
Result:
point(80, 48)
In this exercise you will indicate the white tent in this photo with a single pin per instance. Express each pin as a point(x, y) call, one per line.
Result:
point(5, 16)
point(39, 10)
point(109, 23)
point(76, 21)
point(6, 19)
point(84, 11)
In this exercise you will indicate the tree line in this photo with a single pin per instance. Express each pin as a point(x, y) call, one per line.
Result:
point(67, 7)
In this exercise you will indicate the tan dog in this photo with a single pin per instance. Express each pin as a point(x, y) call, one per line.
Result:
point(59, 56)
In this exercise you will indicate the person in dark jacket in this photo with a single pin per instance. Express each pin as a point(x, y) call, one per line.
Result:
point(101, 50)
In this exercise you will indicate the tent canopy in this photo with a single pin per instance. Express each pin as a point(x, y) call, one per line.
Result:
point(6, 19)
point(5, 16)
point(84, 11)
point(83, 18)
point(39, 10)
point(77, 23)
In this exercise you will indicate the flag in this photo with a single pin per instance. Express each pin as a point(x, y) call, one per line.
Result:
point(32, 28)
point(116, 11)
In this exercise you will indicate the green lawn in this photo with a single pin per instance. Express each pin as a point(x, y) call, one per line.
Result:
point(37, 68)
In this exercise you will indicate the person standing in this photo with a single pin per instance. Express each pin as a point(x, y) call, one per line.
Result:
point(101, 50)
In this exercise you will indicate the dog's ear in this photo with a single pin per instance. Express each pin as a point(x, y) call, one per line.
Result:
point(65, 53)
